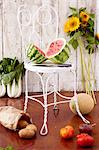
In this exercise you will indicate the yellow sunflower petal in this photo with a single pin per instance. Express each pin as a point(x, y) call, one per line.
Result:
point(66, 27)
point(74, 23)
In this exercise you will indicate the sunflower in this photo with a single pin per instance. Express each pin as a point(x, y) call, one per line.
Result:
point(72, 24)
point(84, 16)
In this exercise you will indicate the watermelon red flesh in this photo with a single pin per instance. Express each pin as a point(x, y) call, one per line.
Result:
point(58, 51)
point(55, 48)
point(35, 54)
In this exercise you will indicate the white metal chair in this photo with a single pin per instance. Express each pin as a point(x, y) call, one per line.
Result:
point(51, 70)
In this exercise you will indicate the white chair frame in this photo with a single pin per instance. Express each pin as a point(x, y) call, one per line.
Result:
point(51, 71)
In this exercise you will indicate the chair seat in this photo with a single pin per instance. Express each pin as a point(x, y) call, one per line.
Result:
point(47, 68)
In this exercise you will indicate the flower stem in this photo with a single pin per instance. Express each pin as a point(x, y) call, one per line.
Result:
point(82, 66)
point(86, 70)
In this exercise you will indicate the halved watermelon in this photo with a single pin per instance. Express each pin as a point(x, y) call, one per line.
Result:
point(58, 51)
point(35, 54)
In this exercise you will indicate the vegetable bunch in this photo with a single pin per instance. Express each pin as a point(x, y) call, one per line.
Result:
point(11, 72)
point(80, 28)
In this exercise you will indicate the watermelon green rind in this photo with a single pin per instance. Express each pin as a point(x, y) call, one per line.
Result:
point(29, 50)
point(35, 54)
point(40, 60)
point(62, 57)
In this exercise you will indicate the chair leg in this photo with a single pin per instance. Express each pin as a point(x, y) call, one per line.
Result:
point(26, 91)
point(44, 129)
point(55, 108)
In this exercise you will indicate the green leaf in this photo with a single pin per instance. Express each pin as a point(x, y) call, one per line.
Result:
point(75, 44)
point(71, 41)
point(1, 68)
point(91, 22)
point(7, 65)
point(90, 48)
point(77, 34)
point(71, 34)
point(73, 9)
point(74, 41)
point(92, 16)
point(15, 63)
point(82, 9)
point(8, 78)
point(19, 71)
point(97, 42)
point(0, 79)
point(90, 40)
point(91, 29)
point(9, 68)
point(73, 14)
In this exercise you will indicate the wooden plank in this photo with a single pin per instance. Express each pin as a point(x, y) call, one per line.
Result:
point(48, 22)
point(10, 39)
point(48, 30)
point(97, 50)
point(1, 28)
point(11, 36)
point(33, 5)
point(90, 7)
point(66, 79)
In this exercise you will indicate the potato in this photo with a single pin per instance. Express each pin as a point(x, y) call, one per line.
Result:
point(26, 133)
point(85, 102)
point(22, 124)
point(32, 127)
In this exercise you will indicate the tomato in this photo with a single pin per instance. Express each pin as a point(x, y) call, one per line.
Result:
point(67, 132)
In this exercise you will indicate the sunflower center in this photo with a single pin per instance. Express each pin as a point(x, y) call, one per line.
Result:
point(73, 24)
point(85, 16)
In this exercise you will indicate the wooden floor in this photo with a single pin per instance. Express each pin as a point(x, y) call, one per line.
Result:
point(52, 141)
